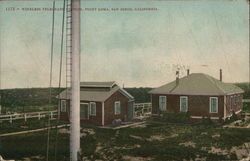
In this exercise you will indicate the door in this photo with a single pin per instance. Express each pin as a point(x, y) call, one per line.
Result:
point(84, 111)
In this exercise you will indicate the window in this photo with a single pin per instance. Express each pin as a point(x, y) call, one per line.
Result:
point(117, 107)
point(213, 103)
point(183, 104)
point(63, 105)
point(84, 111)
point(235, 100)
point(92, 108)
point(162, 103)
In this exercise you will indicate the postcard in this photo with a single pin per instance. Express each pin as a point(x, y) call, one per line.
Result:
point(127, 80)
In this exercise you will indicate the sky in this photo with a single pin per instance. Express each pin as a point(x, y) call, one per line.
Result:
point(133, 48)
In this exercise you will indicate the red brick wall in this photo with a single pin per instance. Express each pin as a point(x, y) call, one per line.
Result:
point(197, 105)
point(230, 106)
point(109, 108)
point(64, 115)
point(94, 120)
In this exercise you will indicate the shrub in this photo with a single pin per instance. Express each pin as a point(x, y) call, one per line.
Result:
point(246, 107)
point(207, 121)
point(234, 117)
point(221, 121)
point(176, 117)
point(237, 124)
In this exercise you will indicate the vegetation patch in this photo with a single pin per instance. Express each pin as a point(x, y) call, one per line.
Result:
point(156, 141)
point(172, 118)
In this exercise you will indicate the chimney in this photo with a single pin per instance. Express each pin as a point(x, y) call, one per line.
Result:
point(221, 75)
point(177, 77)
point(187, 71)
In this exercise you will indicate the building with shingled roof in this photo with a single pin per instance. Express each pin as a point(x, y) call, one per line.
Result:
point(101, 103)
point(198, 94)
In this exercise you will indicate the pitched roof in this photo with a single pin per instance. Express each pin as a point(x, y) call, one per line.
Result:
point(197, 84)
point(97, 84)
point(97, 95)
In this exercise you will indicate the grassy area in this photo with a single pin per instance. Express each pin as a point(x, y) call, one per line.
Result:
point(21, 125)
point(153, 142)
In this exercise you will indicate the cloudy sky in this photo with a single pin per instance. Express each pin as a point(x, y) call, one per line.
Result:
point(135, 48)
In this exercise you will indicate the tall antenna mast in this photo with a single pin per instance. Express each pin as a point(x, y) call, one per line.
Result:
point(75, 86)
point(0, 85)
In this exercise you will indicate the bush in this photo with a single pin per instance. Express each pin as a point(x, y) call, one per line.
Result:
point(207, 121)
point(234, 117)
point(221, 121)
point(227, 121)
point(237, 124)
point(176, 117)
point(246, 107)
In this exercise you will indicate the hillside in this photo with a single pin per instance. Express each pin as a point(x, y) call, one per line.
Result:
point(140, 94)
point(40, 96)
point(246, 88)
point(28, 97)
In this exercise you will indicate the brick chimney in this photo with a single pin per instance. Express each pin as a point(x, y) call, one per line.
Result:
point(177, 77)
point(221, 75)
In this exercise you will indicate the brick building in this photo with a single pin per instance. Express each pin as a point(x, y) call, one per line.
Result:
point(101, 103)
point(199, 94)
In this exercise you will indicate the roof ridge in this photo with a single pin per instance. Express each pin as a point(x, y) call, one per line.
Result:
point(214, 81)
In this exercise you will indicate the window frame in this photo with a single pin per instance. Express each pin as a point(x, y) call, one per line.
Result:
point(90, 109)
point(186, 97)
point(210, 104)
point(165, 97)
point(82, 103)
point(63, 102)
point(115, 111)
point(235, 100)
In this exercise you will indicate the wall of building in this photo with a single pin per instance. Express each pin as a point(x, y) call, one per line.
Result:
point(94, 120)
point(109, 108)
point(64, 116)
point(232, 106)
point(197, 105)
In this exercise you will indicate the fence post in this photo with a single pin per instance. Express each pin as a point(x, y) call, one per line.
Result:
point(143, 106)
point(39, 116)
point(25, 117)
point(10, 119)
point(51, 115)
